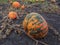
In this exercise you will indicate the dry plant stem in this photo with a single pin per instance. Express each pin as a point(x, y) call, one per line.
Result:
point(32, 4)
point(28, 35)
point(8, 31)
point(4, 24)
point(54, 30)
point(13, 27)
point(31, 37)
point(3, 19)
point(2, 36)
point(36, 40)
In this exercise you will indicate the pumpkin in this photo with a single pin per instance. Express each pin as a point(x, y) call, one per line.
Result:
point(35, 25)
point(16, 4)
point(12, 15)
point(23, 7)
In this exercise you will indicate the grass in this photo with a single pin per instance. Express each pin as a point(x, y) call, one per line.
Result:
point(5, 1)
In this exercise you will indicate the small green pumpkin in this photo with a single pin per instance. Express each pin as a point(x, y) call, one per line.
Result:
point(35, 25)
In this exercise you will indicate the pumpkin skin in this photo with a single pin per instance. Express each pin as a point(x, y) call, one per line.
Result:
point(23, 7)
point(35, 25)
point(12, 15)
point(16, 4)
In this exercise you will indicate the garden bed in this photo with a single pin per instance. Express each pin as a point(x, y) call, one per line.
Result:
point(11, 34)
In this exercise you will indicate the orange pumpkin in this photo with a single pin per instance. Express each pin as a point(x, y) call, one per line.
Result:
point(12, 15)
point(23, 7)
point(16, 4)
point(35, 25)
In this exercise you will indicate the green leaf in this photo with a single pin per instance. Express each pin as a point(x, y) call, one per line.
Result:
point(5, 1)
point(32, 0)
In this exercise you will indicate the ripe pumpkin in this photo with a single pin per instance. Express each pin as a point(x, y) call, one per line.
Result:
point(12, 15)
point(16, 4)
point(35, 25)
point(23, 7)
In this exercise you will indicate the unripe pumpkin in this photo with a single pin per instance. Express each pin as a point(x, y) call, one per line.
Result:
point(12, 15)
point(35, 25)
point(16, 4)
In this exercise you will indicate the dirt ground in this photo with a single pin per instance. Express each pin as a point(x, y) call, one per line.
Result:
point(14, 38)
